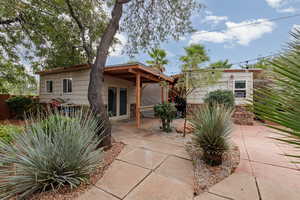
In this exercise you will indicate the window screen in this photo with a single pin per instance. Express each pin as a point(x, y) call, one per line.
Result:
point(67, 85)
point(240, 89)
point(49, 86)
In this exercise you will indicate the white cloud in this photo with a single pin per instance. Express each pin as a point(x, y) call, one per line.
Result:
point(280, 6)
point(275, 3)
point(117, 49)
point(215, 19)
point(287, 10)
point(240, 33)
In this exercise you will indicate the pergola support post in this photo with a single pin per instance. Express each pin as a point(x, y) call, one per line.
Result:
point(138, 100)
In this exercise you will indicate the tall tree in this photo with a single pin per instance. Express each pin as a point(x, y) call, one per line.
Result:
point(145, 22)
point(221, 64)
point(195, 55)
point(159, 59)
point(193, 76)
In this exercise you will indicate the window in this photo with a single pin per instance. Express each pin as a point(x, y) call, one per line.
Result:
point(123, 101)
point(49, 86)
point(240, 89)
point(112, 101)
point(67, 85)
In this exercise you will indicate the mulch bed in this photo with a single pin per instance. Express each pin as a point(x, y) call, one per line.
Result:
point(68, 194)
point(206, 176)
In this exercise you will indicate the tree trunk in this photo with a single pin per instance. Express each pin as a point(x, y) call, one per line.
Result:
point(95, 89)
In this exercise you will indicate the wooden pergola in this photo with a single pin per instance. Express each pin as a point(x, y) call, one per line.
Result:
point(139, 74)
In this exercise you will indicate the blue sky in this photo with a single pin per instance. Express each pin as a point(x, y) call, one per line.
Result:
point(235, 44)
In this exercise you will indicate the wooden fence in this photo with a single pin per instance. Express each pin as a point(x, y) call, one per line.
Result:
point(4, 109)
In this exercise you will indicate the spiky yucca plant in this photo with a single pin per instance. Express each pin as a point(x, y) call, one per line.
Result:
point(213, 126)
point(279, 102)
point(47, 158)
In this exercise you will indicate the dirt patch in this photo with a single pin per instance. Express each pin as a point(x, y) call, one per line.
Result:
point(206, 176)
point(68, 194)
point(13, 122)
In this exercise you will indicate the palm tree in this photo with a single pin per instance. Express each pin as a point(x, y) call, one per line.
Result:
point(221, 64)
point(281, 99)
point(158, 59)
point(195, 55)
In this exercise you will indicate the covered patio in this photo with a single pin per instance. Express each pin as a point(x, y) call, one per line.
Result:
point(140, 74)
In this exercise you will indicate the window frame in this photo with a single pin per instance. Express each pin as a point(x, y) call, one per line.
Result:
point(46, 86)
point(240, 89)
point(67, 86)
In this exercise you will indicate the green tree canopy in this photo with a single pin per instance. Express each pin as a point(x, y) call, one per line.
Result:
point(158, 59)
point(14, 79)
point(195, 55)
point(221, 64)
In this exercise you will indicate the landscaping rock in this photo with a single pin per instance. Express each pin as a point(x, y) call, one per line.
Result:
point(206, 176)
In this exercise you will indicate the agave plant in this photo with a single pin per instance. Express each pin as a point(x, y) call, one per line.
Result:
point(279, 102)
point(213, 126)
point(64, 153)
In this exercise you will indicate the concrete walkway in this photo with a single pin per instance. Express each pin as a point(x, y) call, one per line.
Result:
point(155, 166)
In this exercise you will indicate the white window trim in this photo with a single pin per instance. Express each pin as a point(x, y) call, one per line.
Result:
point(62, 85)
point(46, 91)
point(234, 89)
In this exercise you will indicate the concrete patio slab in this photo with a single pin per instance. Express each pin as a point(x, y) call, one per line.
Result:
point(157, 187)
point(271, 191)
point(177, 168)
point(277, 175)
point(121, 177)
point(96, 194)
point(209, 196)
point(238, 186)
point(144, 158)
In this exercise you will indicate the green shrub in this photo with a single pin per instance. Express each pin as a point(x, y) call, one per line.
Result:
point(225, 97)
point(213, 126)
point(166, 112)
point(6, 132)
point(19, 105)
point(63, 154)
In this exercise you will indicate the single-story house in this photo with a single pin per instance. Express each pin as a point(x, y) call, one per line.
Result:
point(132, 89)
point(239, 81)
point(125, 86)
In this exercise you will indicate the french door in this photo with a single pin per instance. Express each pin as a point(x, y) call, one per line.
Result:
point(117, 102)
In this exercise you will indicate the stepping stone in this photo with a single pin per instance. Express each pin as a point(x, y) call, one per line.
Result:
point(177, 168)
point(121, 177)
point(144, 158)
point(157, 187)
point(208, 196)
point(96, 194)
point(237, 186)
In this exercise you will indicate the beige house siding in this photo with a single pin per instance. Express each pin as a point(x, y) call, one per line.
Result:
point(225, 83)
point(80, 81)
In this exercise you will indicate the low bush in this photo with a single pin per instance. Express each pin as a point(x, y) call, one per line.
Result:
point(19, 105)
point(225, 97)
point(7, 132)
point(213, 126)
point(167, 113)
point(61, 154)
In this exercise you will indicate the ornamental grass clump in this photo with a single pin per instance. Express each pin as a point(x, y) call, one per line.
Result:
point(62, 154)
point(213, 126)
